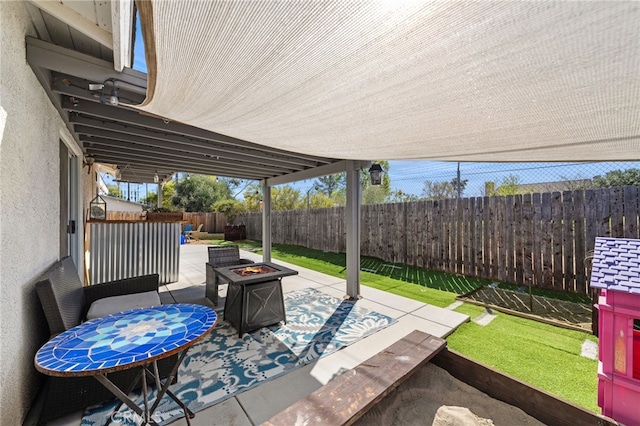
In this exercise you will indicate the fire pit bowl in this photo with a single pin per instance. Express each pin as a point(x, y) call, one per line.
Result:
point(254, 270)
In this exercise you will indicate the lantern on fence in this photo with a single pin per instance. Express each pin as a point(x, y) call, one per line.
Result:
point(98, 208)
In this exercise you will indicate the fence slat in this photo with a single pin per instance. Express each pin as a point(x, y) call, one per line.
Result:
point(487, 235)
point(502, 249)
point(480, 235)
point(526, 239)
point(469, 237)
point(546, 241)
point(630, 212)
point(556, 213)
point(579, 239)
point(515, 234)
point(567, 242)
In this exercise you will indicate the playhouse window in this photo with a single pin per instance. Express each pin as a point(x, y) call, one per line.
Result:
point(636, 348)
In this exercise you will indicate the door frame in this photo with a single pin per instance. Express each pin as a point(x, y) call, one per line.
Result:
point(75, 197)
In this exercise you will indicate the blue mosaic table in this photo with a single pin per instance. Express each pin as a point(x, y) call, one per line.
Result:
point(135, 338)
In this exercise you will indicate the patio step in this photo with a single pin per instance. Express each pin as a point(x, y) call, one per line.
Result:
point(347, 397)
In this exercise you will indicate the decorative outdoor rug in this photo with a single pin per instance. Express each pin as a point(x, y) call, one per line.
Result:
point(223, 365)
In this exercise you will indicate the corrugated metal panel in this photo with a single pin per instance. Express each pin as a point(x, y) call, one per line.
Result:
point(129, 249)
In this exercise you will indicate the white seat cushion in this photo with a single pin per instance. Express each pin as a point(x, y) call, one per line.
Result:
point(111, 305)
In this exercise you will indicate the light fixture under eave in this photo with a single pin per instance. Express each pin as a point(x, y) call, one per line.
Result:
point(376, 171)
point(156, 178)
point(88, 161)
point(113, 98)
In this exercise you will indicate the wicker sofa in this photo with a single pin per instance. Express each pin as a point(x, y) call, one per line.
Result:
point(65, 302)
point(220, 256)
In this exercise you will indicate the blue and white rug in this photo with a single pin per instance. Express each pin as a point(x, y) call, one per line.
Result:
point(223, 365)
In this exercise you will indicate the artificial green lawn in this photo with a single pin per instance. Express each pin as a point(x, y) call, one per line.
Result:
point(542, 355)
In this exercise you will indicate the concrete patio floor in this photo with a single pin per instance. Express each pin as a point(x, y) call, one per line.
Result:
point(258, 404)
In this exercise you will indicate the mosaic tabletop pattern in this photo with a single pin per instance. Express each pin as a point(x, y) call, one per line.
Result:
point(137, 336)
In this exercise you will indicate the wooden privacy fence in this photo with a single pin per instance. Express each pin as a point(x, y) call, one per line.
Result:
point(538, 239)
point(130, 216)
point(211, 222)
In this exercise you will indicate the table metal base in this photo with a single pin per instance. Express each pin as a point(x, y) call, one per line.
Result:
point(145, 412)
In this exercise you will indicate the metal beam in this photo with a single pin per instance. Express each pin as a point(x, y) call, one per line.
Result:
point(122, 158)
point(66, 61)
point(266, 222)
point(75, 20)
point(328, 169)
point(122, 115)
point(200, 149)
point(354, 199)
point(161, 149)
point(171, 156)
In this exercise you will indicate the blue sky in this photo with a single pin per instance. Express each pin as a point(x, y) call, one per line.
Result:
point(139, 62)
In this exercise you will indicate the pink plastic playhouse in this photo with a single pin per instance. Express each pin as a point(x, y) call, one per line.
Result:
point(616, 270)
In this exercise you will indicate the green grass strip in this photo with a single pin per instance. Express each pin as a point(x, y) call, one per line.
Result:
point(542, 355)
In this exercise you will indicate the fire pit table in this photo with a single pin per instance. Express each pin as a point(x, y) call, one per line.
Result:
point(254, 295)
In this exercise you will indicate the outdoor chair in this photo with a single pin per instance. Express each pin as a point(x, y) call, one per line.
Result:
point(195, 233)
point(67, 303)
point(186, 232)
point(219, 257)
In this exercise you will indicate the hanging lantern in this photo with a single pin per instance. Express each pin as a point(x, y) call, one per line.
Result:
point(376, 172)
point(98, 208)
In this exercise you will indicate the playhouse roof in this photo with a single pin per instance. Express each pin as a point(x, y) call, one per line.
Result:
point(616, 265)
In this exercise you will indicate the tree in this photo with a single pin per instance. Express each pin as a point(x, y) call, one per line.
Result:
point(442, 190)
point(399, 196)
point(168, 189)
point(114, 191)
point(330, 184)
point(510, 185)
point(334, 186)
point(617, 178)
point(230, 207)
point(198, 193)
point(285, 197)
point(463, 185)
point(438, 190)
point(252, 198)
point(319, 200)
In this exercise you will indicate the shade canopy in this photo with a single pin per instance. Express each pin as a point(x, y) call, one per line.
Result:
point(460, 81)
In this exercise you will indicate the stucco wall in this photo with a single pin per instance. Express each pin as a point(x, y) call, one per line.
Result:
point(30, 131)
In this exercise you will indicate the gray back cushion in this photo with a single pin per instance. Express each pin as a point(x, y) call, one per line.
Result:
point(61, 295)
